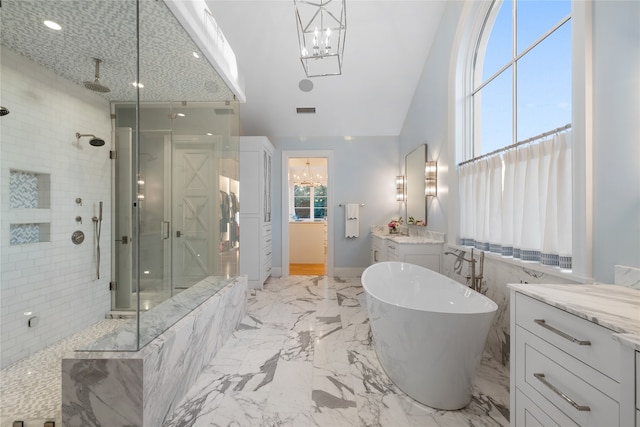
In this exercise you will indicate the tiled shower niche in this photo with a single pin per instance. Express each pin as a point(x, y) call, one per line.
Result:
point(29, 203)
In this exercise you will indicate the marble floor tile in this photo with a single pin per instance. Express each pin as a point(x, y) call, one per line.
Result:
point(291, 388)
point(308, 360)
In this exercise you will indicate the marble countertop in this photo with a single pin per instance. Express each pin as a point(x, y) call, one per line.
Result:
point(612, 306)
point(426, 239)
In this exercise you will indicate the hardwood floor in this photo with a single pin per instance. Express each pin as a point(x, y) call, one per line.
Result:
point(306, 269)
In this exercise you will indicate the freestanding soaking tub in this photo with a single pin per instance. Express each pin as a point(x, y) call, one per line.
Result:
point(429, 331)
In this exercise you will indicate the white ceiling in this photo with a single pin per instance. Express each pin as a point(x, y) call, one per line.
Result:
point(387, 43)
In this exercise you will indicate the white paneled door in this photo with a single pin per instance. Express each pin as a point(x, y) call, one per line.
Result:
point(195, 218)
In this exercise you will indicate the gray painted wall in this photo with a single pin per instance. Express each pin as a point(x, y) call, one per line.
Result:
point(427, 120)
point(616, 137)
point(364, 171)
point(614, 128)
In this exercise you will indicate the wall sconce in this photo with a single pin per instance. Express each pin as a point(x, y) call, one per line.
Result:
point(431, 179)
point(400, 188)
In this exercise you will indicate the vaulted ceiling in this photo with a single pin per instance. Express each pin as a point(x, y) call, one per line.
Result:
point(387, 43)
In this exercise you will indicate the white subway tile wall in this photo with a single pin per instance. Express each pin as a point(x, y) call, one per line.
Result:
point(54, 280)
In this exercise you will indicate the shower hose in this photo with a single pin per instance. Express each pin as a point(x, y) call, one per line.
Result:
point(97, 224)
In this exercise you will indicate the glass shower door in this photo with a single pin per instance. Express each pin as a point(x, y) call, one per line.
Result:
point(195, 213)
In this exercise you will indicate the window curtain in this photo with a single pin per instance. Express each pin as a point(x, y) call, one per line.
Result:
point(519, 204)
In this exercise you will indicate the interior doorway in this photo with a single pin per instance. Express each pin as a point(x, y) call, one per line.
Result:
point(307, 222)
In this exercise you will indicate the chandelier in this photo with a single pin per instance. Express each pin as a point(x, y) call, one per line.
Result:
point(306, 177)
point(322, 26)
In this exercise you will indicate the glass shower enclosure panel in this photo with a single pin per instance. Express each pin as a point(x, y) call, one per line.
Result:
point(177, 190)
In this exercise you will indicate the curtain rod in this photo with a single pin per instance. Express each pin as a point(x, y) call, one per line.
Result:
point(509, 147)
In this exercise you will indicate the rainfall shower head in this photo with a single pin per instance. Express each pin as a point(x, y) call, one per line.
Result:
point(95, 141)
point(95, 85)
point(4, 111)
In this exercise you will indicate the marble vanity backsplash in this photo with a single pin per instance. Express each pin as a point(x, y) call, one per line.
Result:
point(409, 234)
point(627, 276)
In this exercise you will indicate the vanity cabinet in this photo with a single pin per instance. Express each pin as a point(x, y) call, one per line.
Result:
point(426, 255)
point(565, 369)
point(378, 249)
point(637, 384)
point(637, 388)
point(256, 234)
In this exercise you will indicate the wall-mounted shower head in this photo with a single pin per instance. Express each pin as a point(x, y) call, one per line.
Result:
point(95, 141)
point(95, 85)
point(4, 111)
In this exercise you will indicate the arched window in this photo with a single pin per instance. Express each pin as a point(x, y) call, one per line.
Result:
point(517, 202)
point(522, 73)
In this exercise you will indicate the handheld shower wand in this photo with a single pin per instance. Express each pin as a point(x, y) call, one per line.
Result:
point(97, 224)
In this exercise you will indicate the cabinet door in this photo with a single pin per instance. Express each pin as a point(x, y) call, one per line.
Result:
point(249, 179)
point(267, 186)
point(378, 250)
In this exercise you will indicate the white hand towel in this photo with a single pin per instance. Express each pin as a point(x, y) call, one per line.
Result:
point(352, 223)
point(353, 211)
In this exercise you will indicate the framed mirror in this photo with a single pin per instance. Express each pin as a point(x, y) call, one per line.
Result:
point(416, 202)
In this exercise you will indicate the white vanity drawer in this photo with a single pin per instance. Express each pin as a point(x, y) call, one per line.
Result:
point(528, 414)
point(393, 252)
point(584, 340)
point(545, 374)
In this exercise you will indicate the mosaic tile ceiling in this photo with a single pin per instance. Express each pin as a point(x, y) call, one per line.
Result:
point(106, 29)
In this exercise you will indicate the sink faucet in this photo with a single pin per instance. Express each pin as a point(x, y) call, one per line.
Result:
point(474, 281)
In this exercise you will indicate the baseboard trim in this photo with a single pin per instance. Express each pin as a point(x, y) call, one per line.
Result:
point(348, 272)
point(339, 272)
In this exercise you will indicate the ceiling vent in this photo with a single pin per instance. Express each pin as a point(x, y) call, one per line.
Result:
point(306, 110)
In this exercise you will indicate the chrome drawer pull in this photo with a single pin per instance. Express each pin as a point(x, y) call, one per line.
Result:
point(564, 335)
point(569, 400)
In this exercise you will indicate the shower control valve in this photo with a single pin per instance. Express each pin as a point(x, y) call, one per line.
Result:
point(79, 219)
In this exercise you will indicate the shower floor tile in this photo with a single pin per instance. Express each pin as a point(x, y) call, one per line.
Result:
point(30, 388)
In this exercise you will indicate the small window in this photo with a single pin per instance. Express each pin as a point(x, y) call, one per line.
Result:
point(305, 198)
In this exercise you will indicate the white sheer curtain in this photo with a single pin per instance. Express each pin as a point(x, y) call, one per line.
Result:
point(519, 204)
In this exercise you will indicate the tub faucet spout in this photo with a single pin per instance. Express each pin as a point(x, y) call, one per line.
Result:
point(474, 279)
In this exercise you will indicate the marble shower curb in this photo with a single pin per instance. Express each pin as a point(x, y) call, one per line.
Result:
point(123, 388)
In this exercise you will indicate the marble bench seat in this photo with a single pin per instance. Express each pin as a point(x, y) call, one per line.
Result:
point(105, 384)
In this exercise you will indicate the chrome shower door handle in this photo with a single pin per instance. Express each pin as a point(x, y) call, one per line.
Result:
point(165, 228)
point(124, 240)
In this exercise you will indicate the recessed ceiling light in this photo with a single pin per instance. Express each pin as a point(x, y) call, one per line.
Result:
point(136, 84)
point(209, 134)
point(196, 55)
point(53, 25)
point(180, 114)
